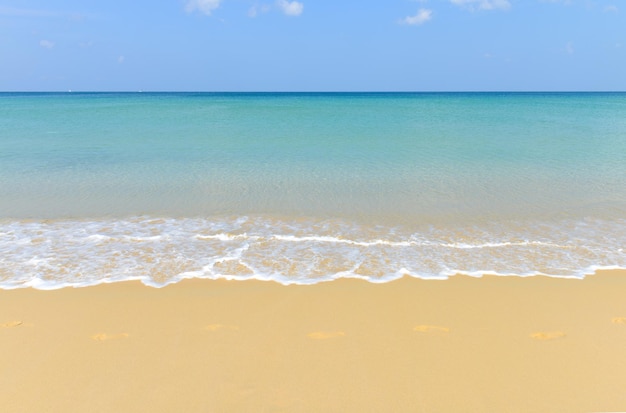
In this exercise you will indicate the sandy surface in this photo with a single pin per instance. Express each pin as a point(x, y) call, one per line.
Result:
point(495, 344)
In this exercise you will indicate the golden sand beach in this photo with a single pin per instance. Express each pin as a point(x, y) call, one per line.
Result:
point(491, 344)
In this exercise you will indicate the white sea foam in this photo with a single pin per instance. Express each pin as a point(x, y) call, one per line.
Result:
point(72, 253)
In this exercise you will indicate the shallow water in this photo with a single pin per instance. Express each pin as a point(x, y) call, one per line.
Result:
point(302, 188)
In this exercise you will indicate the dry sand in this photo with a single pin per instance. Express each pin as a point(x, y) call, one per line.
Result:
point(494, 344)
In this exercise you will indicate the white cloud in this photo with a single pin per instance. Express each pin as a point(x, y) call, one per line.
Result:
point(290, 8)
point(255, 10)
point(483, 4)
point(569, 48)
point(611, 9)
point(121, 59)
point(422, 16)
point(47, 44)
point(202, 6)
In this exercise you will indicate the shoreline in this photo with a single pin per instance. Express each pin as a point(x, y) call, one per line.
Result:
point(464, 344)
point(58, 254)
point(287, 282)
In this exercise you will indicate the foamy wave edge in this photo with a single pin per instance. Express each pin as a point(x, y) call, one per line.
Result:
point(39, 284)
point(160, 251)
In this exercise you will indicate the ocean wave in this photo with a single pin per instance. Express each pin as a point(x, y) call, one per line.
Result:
point(50, 254)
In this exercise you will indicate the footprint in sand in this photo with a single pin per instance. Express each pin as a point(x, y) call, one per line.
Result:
point(431, 329)
point(105, 337)
point(547, 335)
point(216, 327)
point(618, 320)
point(11, 324)
point(324, 335)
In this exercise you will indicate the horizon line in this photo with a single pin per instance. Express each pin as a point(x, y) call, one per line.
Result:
point(310, 91)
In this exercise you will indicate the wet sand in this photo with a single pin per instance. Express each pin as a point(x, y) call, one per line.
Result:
point(490, 344)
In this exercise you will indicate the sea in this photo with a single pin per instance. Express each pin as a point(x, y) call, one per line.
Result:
point(302, 188)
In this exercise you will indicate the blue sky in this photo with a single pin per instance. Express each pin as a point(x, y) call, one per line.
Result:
point(312, 45)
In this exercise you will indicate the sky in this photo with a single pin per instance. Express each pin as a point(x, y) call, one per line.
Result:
point(312, 45)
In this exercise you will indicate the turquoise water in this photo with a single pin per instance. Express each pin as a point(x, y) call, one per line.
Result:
point(302, 188)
